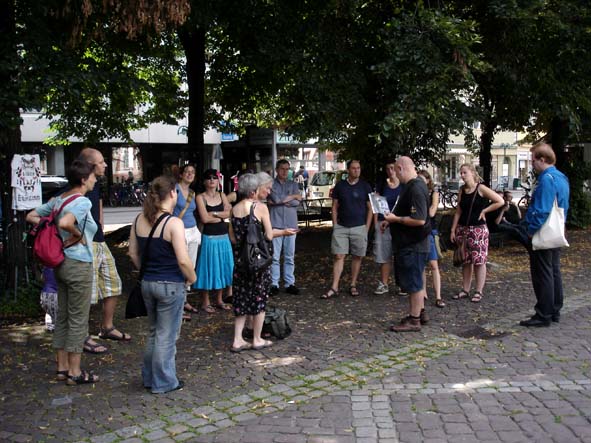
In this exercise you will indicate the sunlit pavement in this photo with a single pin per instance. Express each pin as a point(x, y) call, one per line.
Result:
point(471, 374)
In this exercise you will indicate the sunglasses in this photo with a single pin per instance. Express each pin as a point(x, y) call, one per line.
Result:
point(211, 177)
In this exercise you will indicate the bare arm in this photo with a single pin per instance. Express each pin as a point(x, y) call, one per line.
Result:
point(33, 217)
point(434, 204)
point(457, 215)
point(335, 211)
point(206, 217)
point(177, 238)
point(68, 223)
point(227, 207)
point(369, 216)
point(496, 199)
point(404, 220)
point(133, 251)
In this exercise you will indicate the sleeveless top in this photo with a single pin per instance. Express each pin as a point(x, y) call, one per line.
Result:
point(219, 228)
point(162, 264)
point(479, 204)
point(189, 218)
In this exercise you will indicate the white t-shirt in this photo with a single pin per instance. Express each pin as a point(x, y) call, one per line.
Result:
point(26, 182)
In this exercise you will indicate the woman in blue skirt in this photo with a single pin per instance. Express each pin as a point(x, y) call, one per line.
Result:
point(216, 261)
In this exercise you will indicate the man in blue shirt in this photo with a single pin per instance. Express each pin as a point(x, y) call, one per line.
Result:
point(351, 220)
point(545, 263)
point(283, 205)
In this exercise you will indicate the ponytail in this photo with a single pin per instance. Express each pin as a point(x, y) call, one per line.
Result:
point(159, 189)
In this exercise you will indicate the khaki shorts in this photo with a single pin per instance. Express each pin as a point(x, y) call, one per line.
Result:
point(106, 281)
point(349, 240)
point(382, 246)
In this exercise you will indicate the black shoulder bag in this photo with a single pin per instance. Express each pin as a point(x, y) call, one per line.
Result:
point(256, 253)
point(135, 306)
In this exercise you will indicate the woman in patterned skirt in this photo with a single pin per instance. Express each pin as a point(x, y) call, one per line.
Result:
point(475, 200)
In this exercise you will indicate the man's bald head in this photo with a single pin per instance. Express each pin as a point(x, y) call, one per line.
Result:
point(95, 158)
point(405, 169)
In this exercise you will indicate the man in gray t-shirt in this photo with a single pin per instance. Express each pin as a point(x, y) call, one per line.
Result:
point(283, 205)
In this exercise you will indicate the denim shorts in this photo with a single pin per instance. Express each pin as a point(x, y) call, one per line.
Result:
point(411, 265)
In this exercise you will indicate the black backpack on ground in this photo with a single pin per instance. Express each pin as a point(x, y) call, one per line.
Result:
point(276, 322)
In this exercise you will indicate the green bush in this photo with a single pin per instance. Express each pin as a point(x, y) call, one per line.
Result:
point(26, 304)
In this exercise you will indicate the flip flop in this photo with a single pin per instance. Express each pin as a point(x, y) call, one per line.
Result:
point(267, 344)
point(440, 303)
point(461, 294)
point(239, 349)
point(222, 306)
point(84, 378)
point(108, 334)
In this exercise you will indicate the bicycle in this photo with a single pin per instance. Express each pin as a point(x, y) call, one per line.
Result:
point(526, 198)
point(448, 197)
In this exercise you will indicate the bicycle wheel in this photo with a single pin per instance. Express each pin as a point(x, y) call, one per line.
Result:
point(453, 200)
point(523, 201)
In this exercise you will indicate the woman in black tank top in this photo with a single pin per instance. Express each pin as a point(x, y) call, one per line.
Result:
point(475, 200)
point(216, 261)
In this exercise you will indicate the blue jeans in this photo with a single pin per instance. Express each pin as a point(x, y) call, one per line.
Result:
point(287, 245)
point(164, 303)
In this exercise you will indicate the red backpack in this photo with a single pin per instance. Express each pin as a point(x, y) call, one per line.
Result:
point(48, 246)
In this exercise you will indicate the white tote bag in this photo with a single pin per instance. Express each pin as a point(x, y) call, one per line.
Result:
point(551, 234)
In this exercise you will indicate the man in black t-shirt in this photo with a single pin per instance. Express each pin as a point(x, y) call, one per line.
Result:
point(410, 227)
point(351, 220)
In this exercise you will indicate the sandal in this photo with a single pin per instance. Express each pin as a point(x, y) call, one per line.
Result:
point(354, 291)
point(209, 309)
point(440, 303)
point(476, 297)
point(222, 306)
point(93, 348)
point(190, 309)
point(329, 294)
point(84, 378)
point(461, 294)
point(186, 317)
point(61, 375)
point(109, 334)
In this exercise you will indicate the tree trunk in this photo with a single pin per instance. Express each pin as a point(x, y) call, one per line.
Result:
point(193, 42)
point(559, 131)
point(14, 256)
point(486, 139)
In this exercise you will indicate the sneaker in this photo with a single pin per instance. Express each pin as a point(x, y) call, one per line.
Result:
point(408, 324)
point(274, 290)
point(292, 289)
point(381, 289)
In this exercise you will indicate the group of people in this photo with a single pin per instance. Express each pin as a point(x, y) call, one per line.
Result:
point(406, 235)
point(175, 254)
point(88, 273)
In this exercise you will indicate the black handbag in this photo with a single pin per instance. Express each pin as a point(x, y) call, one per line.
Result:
point(136, 307)
point(256, 253)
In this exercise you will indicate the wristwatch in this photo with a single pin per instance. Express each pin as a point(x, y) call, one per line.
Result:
point(215, 214)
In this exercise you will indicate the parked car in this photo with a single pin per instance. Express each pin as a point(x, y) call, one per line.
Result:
point(52, 185)
point(323, 182)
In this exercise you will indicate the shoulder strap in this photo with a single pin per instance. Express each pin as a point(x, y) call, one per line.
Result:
point(147, 248)
point(190, 198)
point(67, 201)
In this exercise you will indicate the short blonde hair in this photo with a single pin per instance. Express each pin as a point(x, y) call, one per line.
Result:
point(545, 151)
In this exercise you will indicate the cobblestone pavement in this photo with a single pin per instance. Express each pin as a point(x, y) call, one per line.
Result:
point(470, 375)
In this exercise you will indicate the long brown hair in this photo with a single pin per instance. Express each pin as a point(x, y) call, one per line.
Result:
point(159, 189)
point(427, 176)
